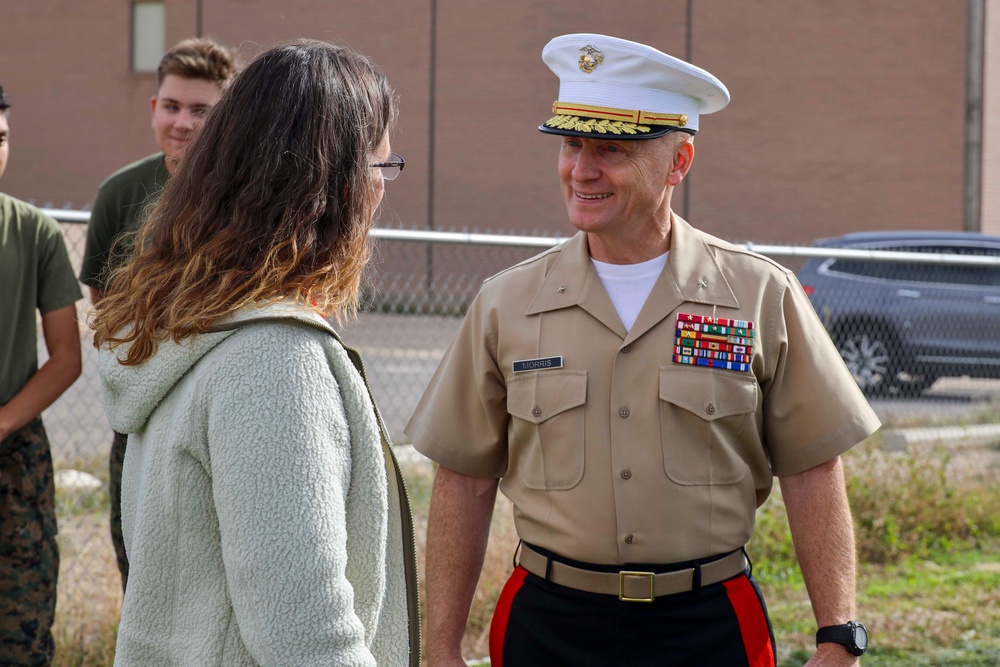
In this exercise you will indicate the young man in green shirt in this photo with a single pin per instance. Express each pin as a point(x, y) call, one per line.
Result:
point(190, 79)
point(37, 276)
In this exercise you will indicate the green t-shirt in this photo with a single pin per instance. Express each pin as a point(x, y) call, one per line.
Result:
point(35, 274)
point(118, 207)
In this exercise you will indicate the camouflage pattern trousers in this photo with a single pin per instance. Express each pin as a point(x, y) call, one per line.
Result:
point(29, 556)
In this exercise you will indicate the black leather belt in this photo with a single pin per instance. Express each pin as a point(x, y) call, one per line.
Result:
point(630, 585)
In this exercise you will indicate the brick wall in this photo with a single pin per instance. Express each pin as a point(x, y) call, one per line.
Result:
point(845, 115)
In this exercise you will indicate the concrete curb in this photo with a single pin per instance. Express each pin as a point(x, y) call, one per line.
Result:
point(975, 435)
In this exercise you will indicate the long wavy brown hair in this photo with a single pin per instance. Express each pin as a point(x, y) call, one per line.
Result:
point(274, 200)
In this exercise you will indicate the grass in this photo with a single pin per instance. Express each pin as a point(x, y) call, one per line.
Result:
point(89, 591)
point(927, 521)
point(928, 541)
point(921, 612)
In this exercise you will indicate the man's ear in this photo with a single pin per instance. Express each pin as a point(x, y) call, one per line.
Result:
point(152, 107)
point(681, 163)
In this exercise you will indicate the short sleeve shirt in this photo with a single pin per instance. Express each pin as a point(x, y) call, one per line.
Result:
point(35, 275)
point(120, 205)
point(618, 447)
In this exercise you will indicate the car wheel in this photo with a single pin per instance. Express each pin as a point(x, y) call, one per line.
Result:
point(866, 354)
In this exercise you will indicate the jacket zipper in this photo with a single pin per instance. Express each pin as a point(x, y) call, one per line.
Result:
point(406, 519)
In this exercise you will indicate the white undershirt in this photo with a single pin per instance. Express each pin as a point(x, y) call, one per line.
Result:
point(629, 285)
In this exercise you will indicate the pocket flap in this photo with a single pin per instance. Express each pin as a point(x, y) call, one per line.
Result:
point(709, 394)
point(545, 394)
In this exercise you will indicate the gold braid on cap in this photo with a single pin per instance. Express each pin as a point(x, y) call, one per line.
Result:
point(606, 120)
point(593, 125)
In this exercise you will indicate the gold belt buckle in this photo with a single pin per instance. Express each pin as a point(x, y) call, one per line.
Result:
point(648, 576)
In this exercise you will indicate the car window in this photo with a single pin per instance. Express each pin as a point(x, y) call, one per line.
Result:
point(911, 272)
point(859, 267)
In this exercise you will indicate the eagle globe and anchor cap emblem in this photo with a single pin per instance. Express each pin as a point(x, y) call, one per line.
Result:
point(591, 59)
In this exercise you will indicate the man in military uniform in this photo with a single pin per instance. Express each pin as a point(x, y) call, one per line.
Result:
point(634, 391)
point(36, 274)
point(190, 78)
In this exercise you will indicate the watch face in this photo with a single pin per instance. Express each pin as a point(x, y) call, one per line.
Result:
point(852, 635)
point(860, 636)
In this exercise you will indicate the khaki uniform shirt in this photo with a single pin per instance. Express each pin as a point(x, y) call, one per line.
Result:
point(611, 451)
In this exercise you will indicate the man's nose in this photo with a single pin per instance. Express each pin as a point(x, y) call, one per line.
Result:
point(586, 166)
point(186, 120)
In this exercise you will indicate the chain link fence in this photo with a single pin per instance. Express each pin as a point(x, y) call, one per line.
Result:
point(912, 328)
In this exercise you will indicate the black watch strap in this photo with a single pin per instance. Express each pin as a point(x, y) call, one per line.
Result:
point(851, 635)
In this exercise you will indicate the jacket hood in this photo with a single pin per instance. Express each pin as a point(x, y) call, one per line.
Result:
point(131, 393)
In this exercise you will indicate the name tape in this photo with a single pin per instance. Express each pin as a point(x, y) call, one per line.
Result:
point(540, 364)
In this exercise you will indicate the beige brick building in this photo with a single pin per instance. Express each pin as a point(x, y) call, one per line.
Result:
point(847, 115)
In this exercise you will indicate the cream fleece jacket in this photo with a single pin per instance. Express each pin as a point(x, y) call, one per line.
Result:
point(258, 522)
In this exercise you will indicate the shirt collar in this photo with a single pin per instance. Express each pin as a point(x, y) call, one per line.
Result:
point(692, 274)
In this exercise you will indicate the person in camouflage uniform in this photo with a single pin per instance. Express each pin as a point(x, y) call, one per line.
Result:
point(35, 267)
point(29, 559)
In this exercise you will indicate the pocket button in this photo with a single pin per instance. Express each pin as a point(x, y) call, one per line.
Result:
point(626, 474)
point(710, 409)
point(624, 412)
point(537, 411)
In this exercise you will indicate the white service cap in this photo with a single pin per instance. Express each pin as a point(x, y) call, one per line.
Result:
point(610, 86)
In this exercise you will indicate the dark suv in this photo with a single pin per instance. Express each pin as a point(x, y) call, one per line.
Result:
point(902, 325)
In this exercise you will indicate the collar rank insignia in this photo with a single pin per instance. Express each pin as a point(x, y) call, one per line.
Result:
point(716, 342)
point(591, 59)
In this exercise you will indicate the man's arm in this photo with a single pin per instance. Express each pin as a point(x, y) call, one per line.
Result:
point(62, 340)
point(458, 530)
point(819, 517)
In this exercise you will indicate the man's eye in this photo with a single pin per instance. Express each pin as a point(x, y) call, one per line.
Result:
point(613, 149)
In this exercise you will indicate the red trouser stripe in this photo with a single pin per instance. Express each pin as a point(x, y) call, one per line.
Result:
point(753, 622)
point(498, 626)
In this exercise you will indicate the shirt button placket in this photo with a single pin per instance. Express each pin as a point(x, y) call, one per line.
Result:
point(627, 489)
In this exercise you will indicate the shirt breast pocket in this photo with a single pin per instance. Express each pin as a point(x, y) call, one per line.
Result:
point(703, 418)
point(546, 437)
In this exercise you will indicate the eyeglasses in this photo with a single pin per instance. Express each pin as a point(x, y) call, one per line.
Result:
point(391, 169)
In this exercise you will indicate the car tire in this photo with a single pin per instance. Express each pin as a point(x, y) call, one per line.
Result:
point(868, 353)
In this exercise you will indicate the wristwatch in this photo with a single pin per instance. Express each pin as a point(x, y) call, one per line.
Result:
point(852, 635)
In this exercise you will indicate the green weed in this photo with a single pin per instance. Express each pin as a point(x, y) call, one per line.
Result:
point(928, 534)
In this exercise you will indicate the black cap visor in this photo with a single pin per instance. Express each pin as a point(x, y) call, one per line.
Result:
point(593, 128)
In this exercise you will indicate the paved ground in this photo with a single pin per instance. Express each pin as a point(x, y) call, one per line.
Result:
point(401, 353)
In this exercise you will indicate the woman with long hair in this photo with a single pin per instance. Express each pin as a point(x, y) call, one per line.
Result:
point(264, 517)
